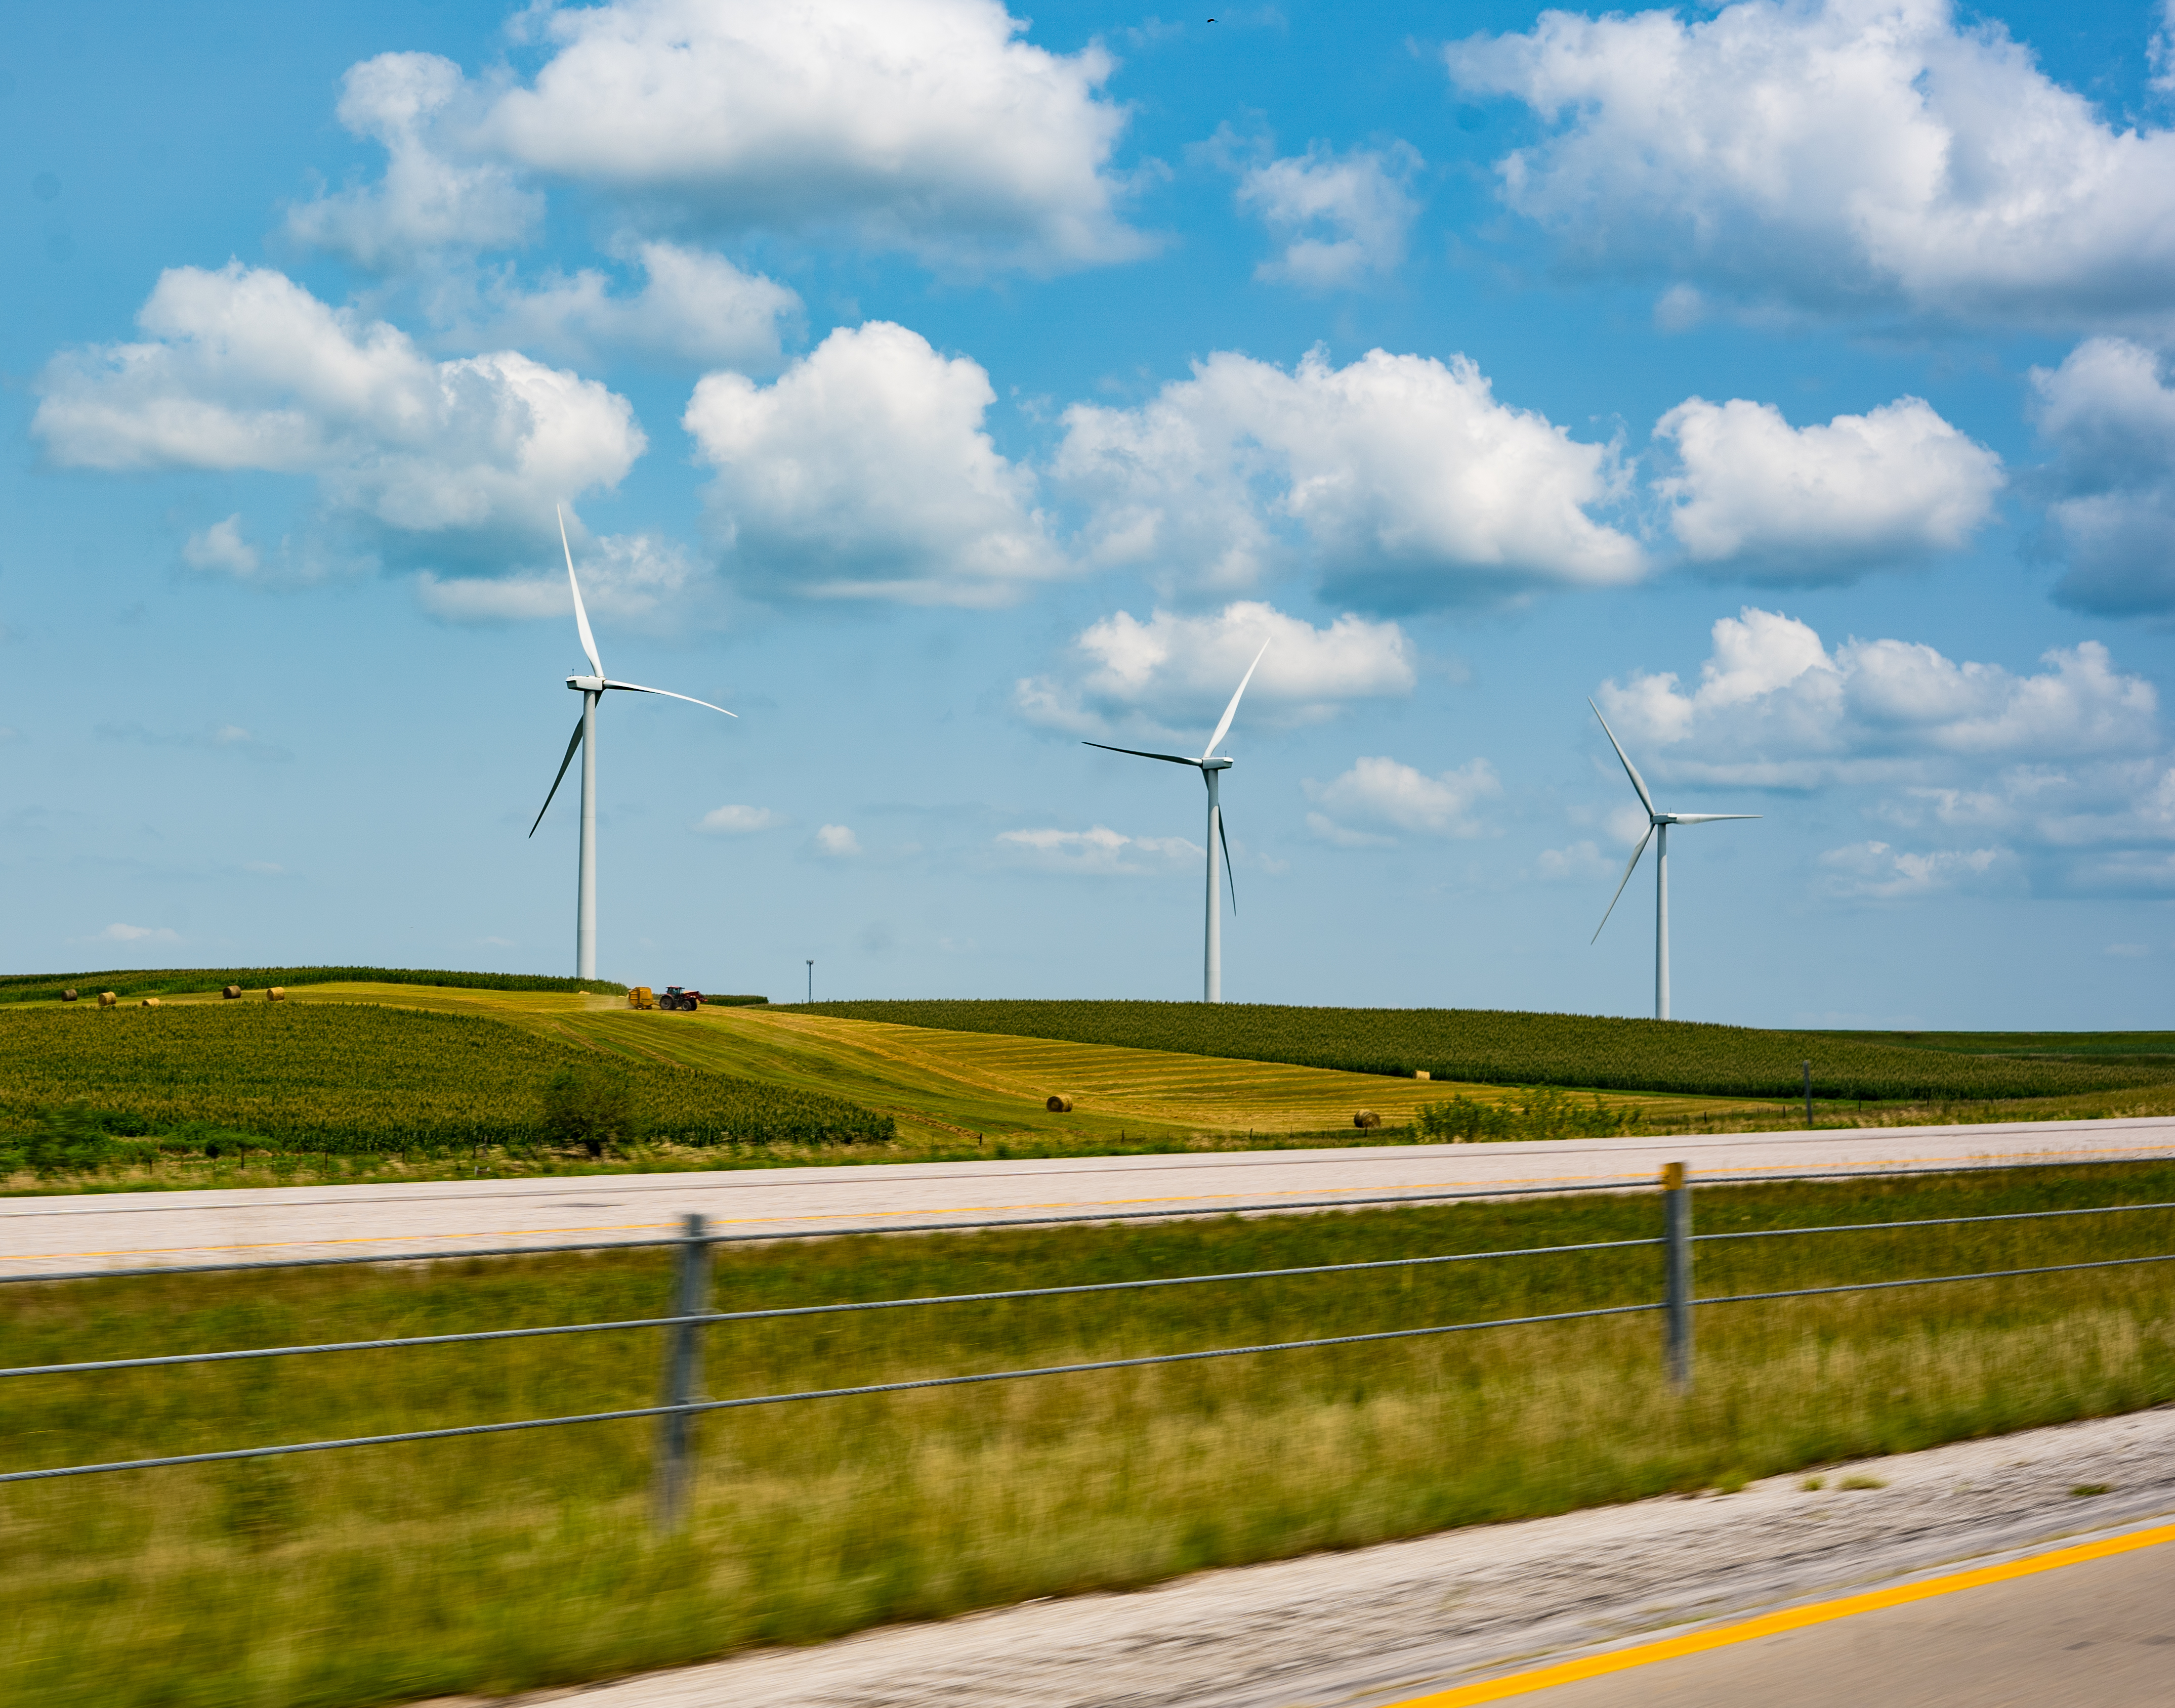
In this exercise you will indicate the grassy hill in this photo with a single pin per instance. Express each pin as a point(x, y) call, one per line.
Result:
point(1520, 1049)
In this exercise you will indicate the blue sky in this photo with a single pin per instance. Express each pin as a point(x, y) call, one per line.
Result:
point(938, 388)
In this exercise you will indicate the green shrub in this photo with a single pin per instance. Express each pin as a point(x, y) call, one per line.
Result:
point(591, 1105)
point(1544, 1113)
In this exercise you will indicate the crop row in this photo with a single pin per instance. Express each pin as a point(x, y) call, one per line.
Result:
point(349, 1079)
point(173, 981)
point(1500, 1047)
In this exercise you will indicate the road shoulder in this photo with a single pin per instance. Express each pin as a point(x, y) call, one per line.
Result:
point(1379, 1624)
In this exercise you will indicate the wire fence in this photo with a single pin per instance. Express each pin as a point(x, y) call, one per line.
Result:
point(683, 1400)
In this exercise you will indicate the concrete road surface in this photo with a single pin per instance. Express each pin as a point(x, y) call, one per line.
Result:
point(2098, 1634)
point(65, 1234)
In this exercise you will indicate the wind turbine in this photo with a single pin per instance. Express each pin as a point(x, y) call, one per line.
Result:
point(591, 688)
point(1211, 768)
point(1658, 832)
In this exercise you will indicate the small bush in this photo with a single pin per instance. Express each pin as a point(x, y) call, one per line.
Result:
point(1544, 1113)
point(589, 1105)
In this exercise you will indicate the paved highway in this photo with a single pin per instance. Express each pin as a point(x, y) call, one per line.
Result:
point(64, 1233)
point(2080, 1626)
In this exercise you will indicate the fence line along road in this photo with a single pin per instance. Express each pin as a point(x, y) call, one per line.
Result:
point(682, 1401)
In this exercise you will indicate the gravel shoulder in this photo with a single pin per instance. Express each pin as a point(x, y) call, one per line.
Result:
point(1375, 1624)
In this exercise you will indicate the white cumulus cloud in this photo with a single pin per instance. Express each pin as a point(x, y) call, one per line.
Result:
point(837, 840)
point(633, 576)
point(1387, 794)
point(1402, 479)
point(243, 369)
point(2066, 766)
point(1840, 155)
point(1579, 862)
point(1774, 707)
point(865, 472)
point(427, 199)
point(1099, 851)
point(221, 549)
point(1177, 671)
point(1874, 869)
point(2108, 416)
point(1778, 503)
point(1341, 217)
point(119, 933)
point(743, 821)
point(927, 126)
point(694, 306)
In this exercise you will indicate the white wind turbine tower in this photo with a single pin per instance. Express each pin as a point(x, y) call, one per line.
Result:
point(1658, 832)
point(591, 688)
point(1211, 768)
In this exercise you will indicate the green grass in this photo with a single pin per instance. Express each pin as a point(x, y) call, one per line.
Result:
point(1503, 1047)
point(390, 1574)
point(350, 1080)
point(135, 982)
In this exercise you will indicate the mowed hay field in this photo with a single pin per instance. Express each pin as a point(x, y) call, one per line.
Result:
point(390, 1574)
point(952, 1086)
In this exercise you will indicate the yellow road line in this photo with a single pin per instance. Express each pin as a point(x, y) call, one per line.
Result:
point(1788, 1620)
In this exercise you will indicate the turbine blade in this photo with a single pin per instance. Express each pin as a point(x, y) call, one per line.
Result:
point(1139, 753)
point(1228, 877)
point(1631, 770)
point(637, 688)
point(581, 616)
point(1708, 817)
point(1623, 881)
point(560, 777)
point(1231, 711)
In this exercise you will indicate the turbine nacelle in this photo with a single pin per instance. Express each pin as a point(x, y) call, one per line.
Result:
point(586, 684)
point(1218, 764)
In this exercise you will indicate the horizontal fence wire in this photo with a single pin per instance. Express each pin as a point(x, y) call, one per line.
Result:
point(1507, 1190)
point(1935, 1280)
point(1926, 1222)
point(503, 1334)
point(1090, 1216)
point(865, 1388)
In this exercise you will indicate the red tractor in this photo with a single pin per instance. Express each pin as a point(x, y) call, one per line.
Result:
point(672, 996)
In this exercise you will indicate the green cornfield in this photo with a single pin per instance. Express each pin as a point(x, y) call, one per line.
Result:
point(359, 1080)
point(170, 981)
point(1499, 1047)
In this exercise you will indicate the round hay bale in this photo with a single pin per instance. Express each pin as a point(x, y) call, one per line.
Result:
point(150, 1002)
point(1059, 1105)
point(278, 993)
point(106, 999)
point(1366, 1117)
point(67, 995)
point(1423, 1073)
point(231, 992)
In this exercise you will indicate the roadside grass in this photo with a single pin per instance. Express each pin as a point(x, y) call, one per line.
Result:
point(388, 1573)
